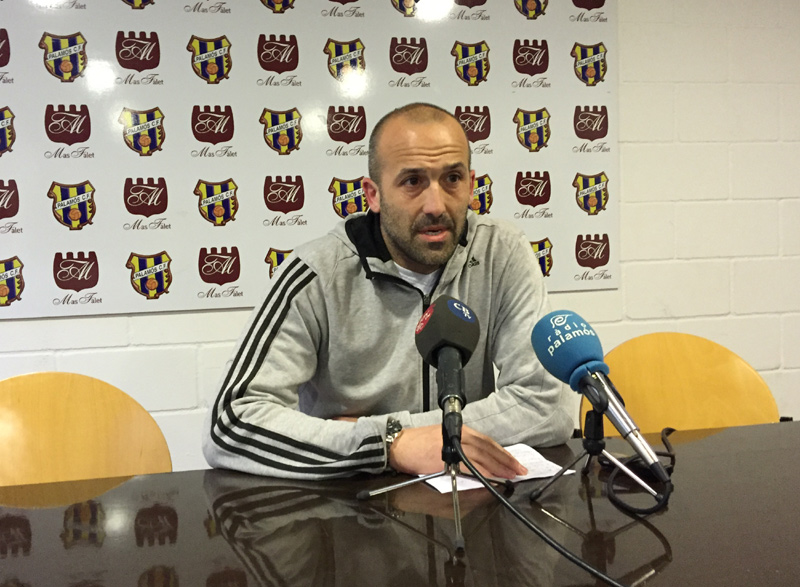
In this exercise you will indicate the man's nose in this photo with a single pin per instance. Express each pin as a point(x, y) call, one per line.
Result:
point(434, 200)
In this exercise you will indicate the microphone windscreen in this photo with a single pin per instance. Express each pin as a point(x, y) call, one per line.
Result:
point(567, 346)
point(447, 322)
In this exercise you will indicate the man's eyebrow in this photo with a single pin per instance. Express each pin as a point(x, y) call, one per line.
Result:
point(460, 166)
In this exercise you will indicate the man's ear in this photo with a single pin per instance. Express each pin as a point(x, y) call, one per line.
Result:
point(373, 195)
point(472, 177)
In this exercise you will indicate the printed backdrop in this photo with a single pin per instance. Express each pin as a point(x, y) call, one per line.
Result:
point(160, 155)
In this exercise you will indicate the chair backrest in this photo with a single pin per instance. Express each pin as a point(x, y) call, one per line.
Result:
point(686, 382)
point(65, 426)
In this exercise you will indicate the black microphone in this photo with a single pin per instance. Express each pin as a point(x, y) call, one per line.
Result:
point(446, 336)
point(570, 350)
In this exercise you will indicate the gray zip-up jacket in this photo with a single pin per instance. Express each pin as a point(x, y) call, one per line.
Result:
point(335, 337)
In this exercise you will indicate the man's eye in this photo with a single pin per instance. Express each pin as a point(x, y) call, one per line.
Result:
point(454, 177)
point(411, 181)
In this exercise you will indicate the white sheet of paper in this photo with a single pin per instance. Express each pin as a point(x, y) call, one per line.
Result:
point(538, 468)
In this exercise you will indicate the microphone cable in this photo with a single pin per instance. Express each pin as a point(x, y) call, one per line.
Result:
point(570, 556)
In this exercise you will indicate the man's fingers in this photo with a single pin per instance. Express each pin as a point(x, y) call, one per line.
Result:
point(489, 457)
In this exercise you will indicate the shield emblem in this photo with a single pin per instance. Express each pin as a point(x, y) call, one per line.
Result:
point(347, 124)
point(472, 62)
point(531, 9)
point(543, 251)
point(533, 128)
point(348, 196)
point(5, 48)
point(11, 282)
point(150, 274)
point(282, 130)
point(274, 258)
point(278, 6)
point(533, 190)
point(73, 205)
point(219, 267)
point(589, 4)
point(138, 53)
point(531, 57)
point(64, 57)
point(344, 58)
point(7, 133)
point(590, 63)
point(84, 523)
point(217, 201)
point(284, 194)
point(9, 199)
point(211, 58)
point(477, 123)
point(143, 131)
point(76, 272)
point(139, 4)
point(481, 195)
point(470, 3)
point(408, 56)
point(405, 7)
point(591, 192)
point(590, 124)
point(146, 197)
point(212, 125)
point(592, 251)
point(67, 125)
point(279, 54)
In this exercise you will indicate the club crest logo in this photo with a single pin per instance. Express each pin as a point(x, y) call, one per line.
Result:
point(138, 52)
point(592, 251)
point(146, 197)
point(282, 130)
point(345, 58)
point(73, 205)
point(7, 133)
point(590, 63)
point(5, 48)
point(151, 277)
point(278, 54)
point(67, 125)
point(589, 4)
point(139, 4)
point(347, 125)
point(531, 9)
point(408, 56)
point(143, 131)
point(531, 57)
point(284, 194)
point(84, 524)
point(477, 122)
point(348, 196)
point(405, 7)
point(64, 57)
point(533, 190)
point(591, 192)
point(212, 125)
point(533, 128)
point(76, 272)
point(481, 195)
point(211, 58)
point(274, 259)
point(9, 199)
point(217, 201)
point(471, 62)
point(590, 124)
point(278, 6)
point(11, 282)
point(219, 267)
point(543, 251)
point(157, 525)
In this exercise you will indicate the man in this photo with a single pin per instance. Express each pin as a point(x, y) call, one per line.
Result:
point(327, 380)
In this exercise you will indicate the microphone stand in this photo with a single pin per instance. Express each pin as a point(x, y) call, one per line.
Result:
point(450, 380)
point(594, 445)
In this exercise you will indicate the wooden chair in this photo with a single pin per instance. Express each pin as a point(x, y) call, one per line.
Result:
point(65, 426)
point(686, 382)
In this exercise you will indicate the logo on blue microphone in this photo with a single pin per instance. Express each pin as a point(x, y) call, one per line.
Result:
point(461, 310)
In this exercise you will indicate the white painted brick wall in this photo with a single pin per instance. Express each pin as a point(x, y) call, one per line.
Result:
point(710, 132)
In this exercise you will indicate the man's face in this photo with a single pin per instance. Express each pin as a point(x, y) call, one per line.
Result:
point(425, 189)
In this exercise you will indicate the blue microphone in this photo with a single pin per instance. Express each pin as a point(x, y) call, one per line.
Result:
point(569, 348)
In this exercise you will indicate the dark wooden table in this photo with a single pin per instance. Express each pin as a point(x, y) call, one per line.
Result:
point(734, 519)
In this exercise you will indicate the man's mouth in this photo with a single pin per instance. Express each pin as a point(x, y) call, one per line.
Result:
point(434, 233)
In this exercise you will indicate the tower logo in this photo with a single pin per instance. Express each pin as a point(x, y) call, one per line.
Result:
point(284, 194)
point(531, 57)
point(146, 197)
point(76, 272)
point(212, 125)
point(533, 190)
point(347, 125)
point(278, 54)
point(408, 56)
point(477, 122)
point(219, 267)
point(67, 125)
point(138, 52)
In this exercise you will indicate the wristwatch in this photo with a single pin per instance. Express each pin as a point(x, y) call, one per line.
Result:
point(393, 430)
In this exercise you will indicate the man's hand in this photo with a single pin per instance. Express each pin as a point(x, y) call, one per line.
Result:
point(418, 451)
